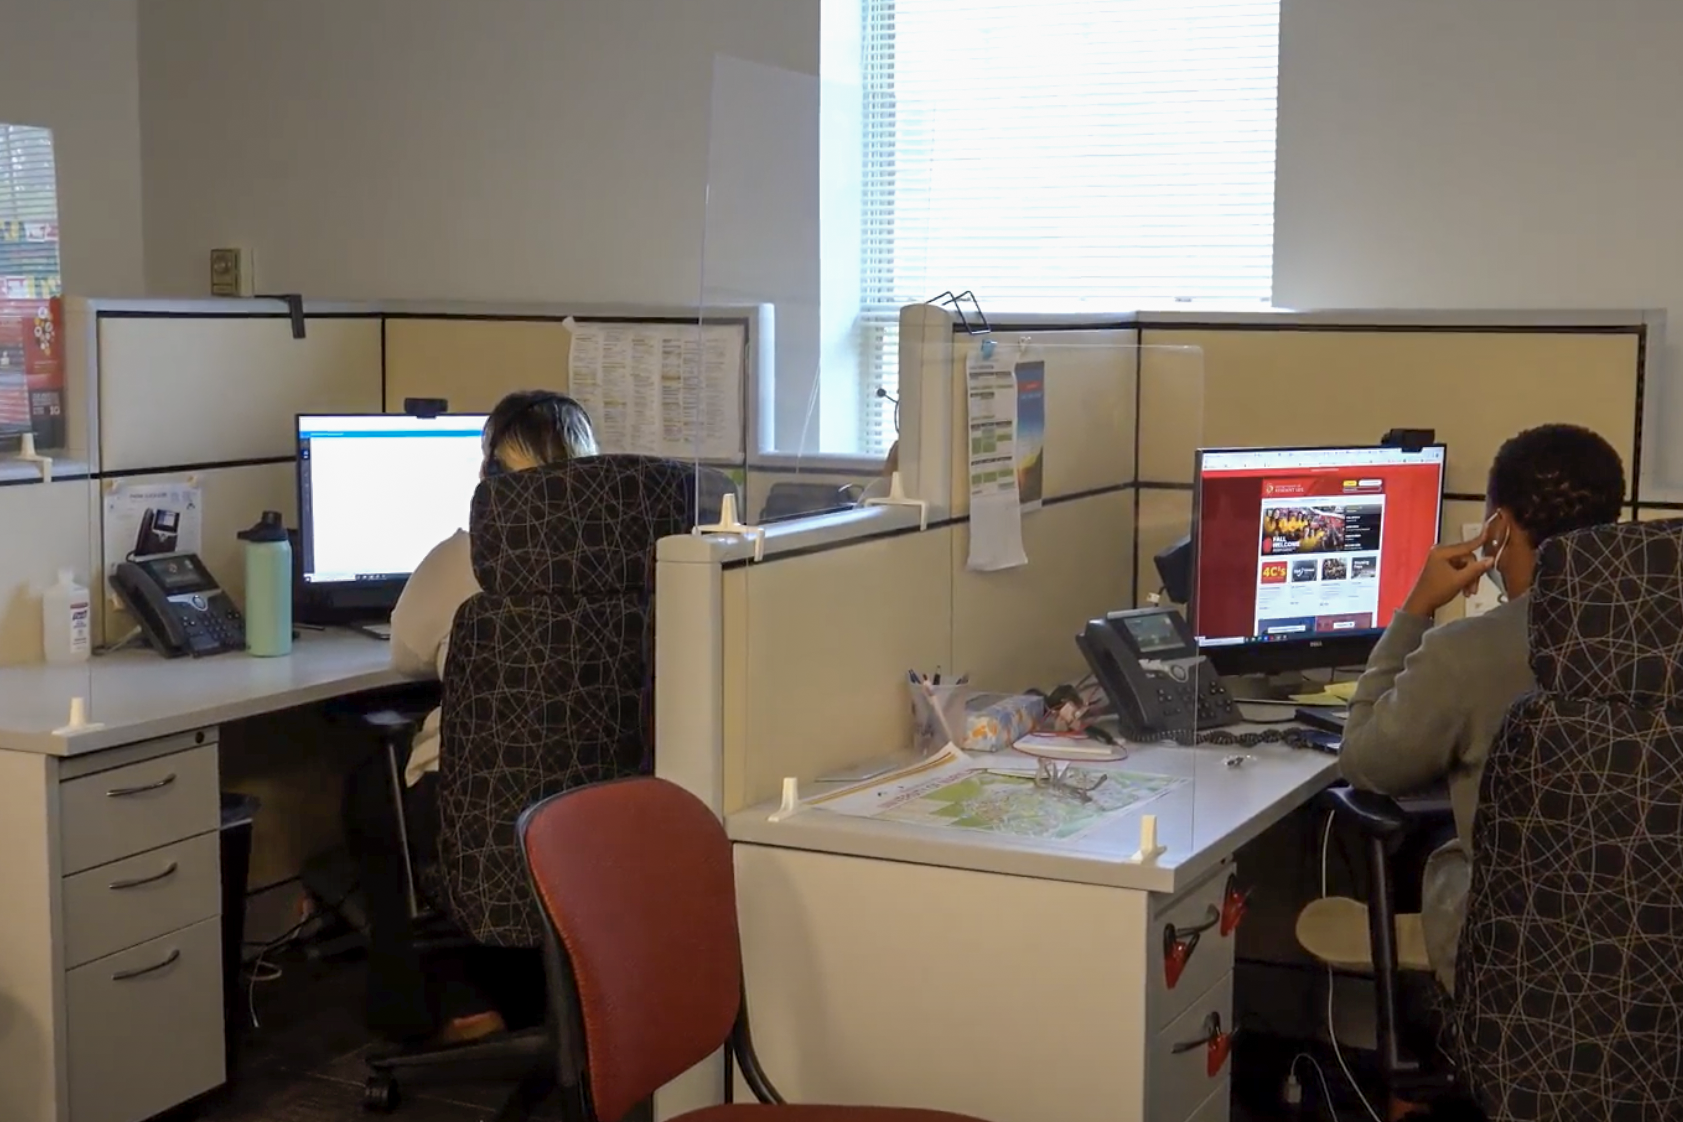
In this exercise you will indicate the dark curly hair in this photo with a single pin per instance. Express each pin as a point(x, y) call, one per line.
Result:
point(1556, 478)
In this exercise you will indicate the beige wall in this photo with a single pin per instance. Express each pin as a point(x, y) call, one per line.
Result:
point(73, 66)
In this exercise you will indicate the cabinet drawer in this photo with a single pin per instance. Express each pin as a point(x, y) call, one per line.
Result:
point(144, 1026)
point(129, 810)
point(115, 906)
point(1189, 929)
point(1183, 1069)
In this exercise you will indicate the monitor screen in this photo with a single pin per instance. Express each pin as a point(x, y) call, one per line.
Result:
point(377, 491)
point(1309, 545)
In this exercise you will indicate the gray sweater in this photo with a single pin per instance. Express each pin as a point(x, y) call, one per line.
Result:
point(1428, 708)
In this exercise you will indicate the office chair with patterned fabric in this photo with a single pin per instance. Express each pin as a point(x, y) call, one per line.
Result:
point(643, 955)
point(548, 685)
point(1569, 977)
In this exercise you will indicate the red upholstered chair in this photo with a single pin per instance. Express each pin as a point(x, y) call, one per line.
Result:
point(645, 966)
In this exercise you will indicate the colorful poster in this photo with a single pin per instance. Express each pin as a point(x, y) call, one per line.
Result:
point(1031, 433)
point(32, 370)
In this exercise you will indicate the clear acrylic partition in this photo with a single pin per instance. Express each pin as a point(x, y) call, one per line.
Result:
point(788, 229)
point(49, 491)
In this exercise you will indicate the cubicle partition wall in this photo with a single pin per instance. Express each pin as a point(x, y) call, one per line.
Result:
point(812, 642)
point(202, 394)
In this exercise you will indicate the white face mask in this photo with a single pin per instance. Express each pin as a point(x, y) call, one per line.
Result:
point(1495, 573)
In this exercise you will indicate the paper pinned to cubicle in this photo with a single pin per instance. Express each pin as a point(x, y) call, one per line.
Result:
point(143, 519)
point(996, 509)
point(670, 390)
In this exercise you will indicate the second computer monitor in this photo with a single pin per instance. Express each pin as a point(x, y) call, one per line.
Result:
point(1302, 555)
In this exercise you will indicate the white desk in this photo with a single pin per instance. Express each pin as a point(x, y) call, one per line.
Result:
point(110, 889)
point(1012, 979)
point(138, 696)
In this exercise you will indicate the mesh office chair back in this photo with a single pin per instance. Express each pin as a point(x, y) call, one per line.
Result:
point(1569, 976)
point(548, 681)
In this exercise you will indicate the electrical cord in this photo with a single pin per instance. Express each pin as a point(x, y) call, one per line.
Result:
point(260, 971)
point(1332, 1029)
point(1321, 1075)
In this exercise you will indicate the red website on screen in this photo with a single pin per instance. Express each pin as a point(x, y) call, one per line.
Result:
point(1295, 543)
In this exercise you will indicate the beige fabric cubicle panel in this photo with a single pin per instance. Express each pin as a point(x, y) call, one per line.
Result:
point(472, 363)
point(819, 655)
point(48, 527)
point(1280, 386)
point(233, 497)
point(212, 389)
point(1090, 394)
point(1016, 628)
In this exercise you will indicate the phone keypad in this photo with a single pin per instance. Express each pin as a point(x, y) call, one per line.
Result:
point(212, 626)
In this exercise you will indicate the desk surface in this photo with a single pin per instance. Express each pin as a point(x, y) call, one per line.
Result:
point(135, 695)
point(1201, 823)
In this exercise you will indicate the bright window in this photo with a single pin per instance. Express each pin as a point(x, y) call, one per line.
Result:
point(29, 264)
point(1063, 156)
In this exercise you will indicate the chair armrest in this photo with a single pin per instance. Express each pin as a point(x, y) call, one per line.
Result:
point(1376, 815)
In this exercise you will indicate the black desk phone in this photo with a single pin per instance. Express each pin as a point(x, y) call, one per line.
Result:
point(1147, 662)
point(179, 606)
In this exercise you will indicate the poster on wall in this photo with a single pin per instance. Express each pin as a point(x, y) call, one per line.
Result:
point(32, 371)
point(1031, 433)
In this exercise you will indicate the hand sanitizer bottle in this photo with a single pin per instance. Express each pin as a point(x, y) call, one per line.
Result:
point(66, 620)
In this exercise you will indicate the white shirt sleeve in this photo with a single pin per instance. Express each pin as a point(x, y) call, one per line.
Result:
point(443, 582)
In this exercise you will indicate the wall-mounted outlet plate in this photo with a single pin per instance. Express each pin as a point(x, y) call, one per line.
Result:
point(232, 272)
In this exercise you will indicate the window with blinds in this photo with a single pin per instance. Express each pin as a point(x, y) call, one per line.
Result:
point(29, 262)
point(1063, 156)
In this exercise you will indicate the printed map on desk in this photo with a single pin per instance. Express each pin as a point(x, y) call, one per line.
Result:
point(955, 791)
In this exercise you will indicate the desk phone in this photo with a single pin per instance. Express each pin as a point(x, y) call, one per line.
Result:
point(179, 606)
point(1147, 662)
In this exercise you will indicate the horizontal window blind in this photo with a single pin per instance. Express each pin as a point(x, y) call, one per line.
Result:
point(29, 258)
point(1065, 155)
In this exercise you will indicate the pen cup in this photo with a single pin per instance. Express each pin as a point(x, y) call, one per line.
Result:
point(939, 716)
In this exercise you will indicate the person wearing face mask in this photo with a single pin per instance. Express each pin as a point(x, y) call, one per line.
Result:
point(1432, 698)
point(528, 429)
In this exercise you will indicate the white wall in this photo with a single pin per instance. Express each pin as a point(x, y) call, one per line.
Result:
point(72, 66)
point(1502, 153)
point(531, 149)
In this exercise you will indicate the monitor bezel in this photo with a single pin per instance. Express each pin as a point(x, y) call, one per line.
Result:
point(1287, 656)
point(340, 601)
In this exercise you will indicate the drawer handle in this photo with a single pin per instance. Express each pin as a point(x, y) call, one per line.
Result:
point(1234, 902)
point(125, 792)
point(1180, 942)
point(1216, 1045)
point(127, 975)
point(169, 870)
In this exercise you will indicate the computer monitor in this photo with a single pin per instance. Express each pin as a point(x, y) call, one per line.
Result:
point(375, 493)
point(1302, 555)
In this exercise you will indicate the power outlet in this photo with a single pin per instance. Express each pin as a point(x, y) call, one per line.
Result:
point(1487, 595)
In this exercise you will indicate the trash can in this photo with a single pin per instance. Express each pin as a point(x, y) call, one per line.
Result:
point(238, 812)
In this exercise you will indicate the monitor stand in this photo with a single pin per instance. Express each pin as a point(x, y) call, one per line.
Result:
point(1276, 688)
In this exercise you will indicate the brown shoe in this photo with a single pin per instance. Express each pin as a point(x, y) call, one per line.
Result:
point(474, 1026)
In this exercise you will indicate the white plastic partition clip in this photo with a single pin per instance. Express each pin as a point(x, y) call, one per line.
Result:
point(728, 524)
point(897, 497)
point(27, 453)
point(1149, 849)
point(78, 719)
point(791, 803)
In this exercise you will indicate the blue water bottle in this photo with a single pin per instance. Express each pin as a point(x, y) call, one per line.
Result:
point(268, 587)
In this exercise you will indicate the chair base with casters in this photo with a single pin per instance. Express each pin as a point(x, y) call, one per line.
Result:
point(1391, 946)
point(525, 1058)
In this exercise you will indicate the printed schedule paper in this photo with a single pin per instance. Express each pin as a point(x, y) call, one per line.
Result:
point(671, 390)
point(996, 510)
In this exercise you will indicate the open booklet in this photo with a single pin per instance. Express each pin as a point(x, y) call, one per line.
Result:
point(1011, 795)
